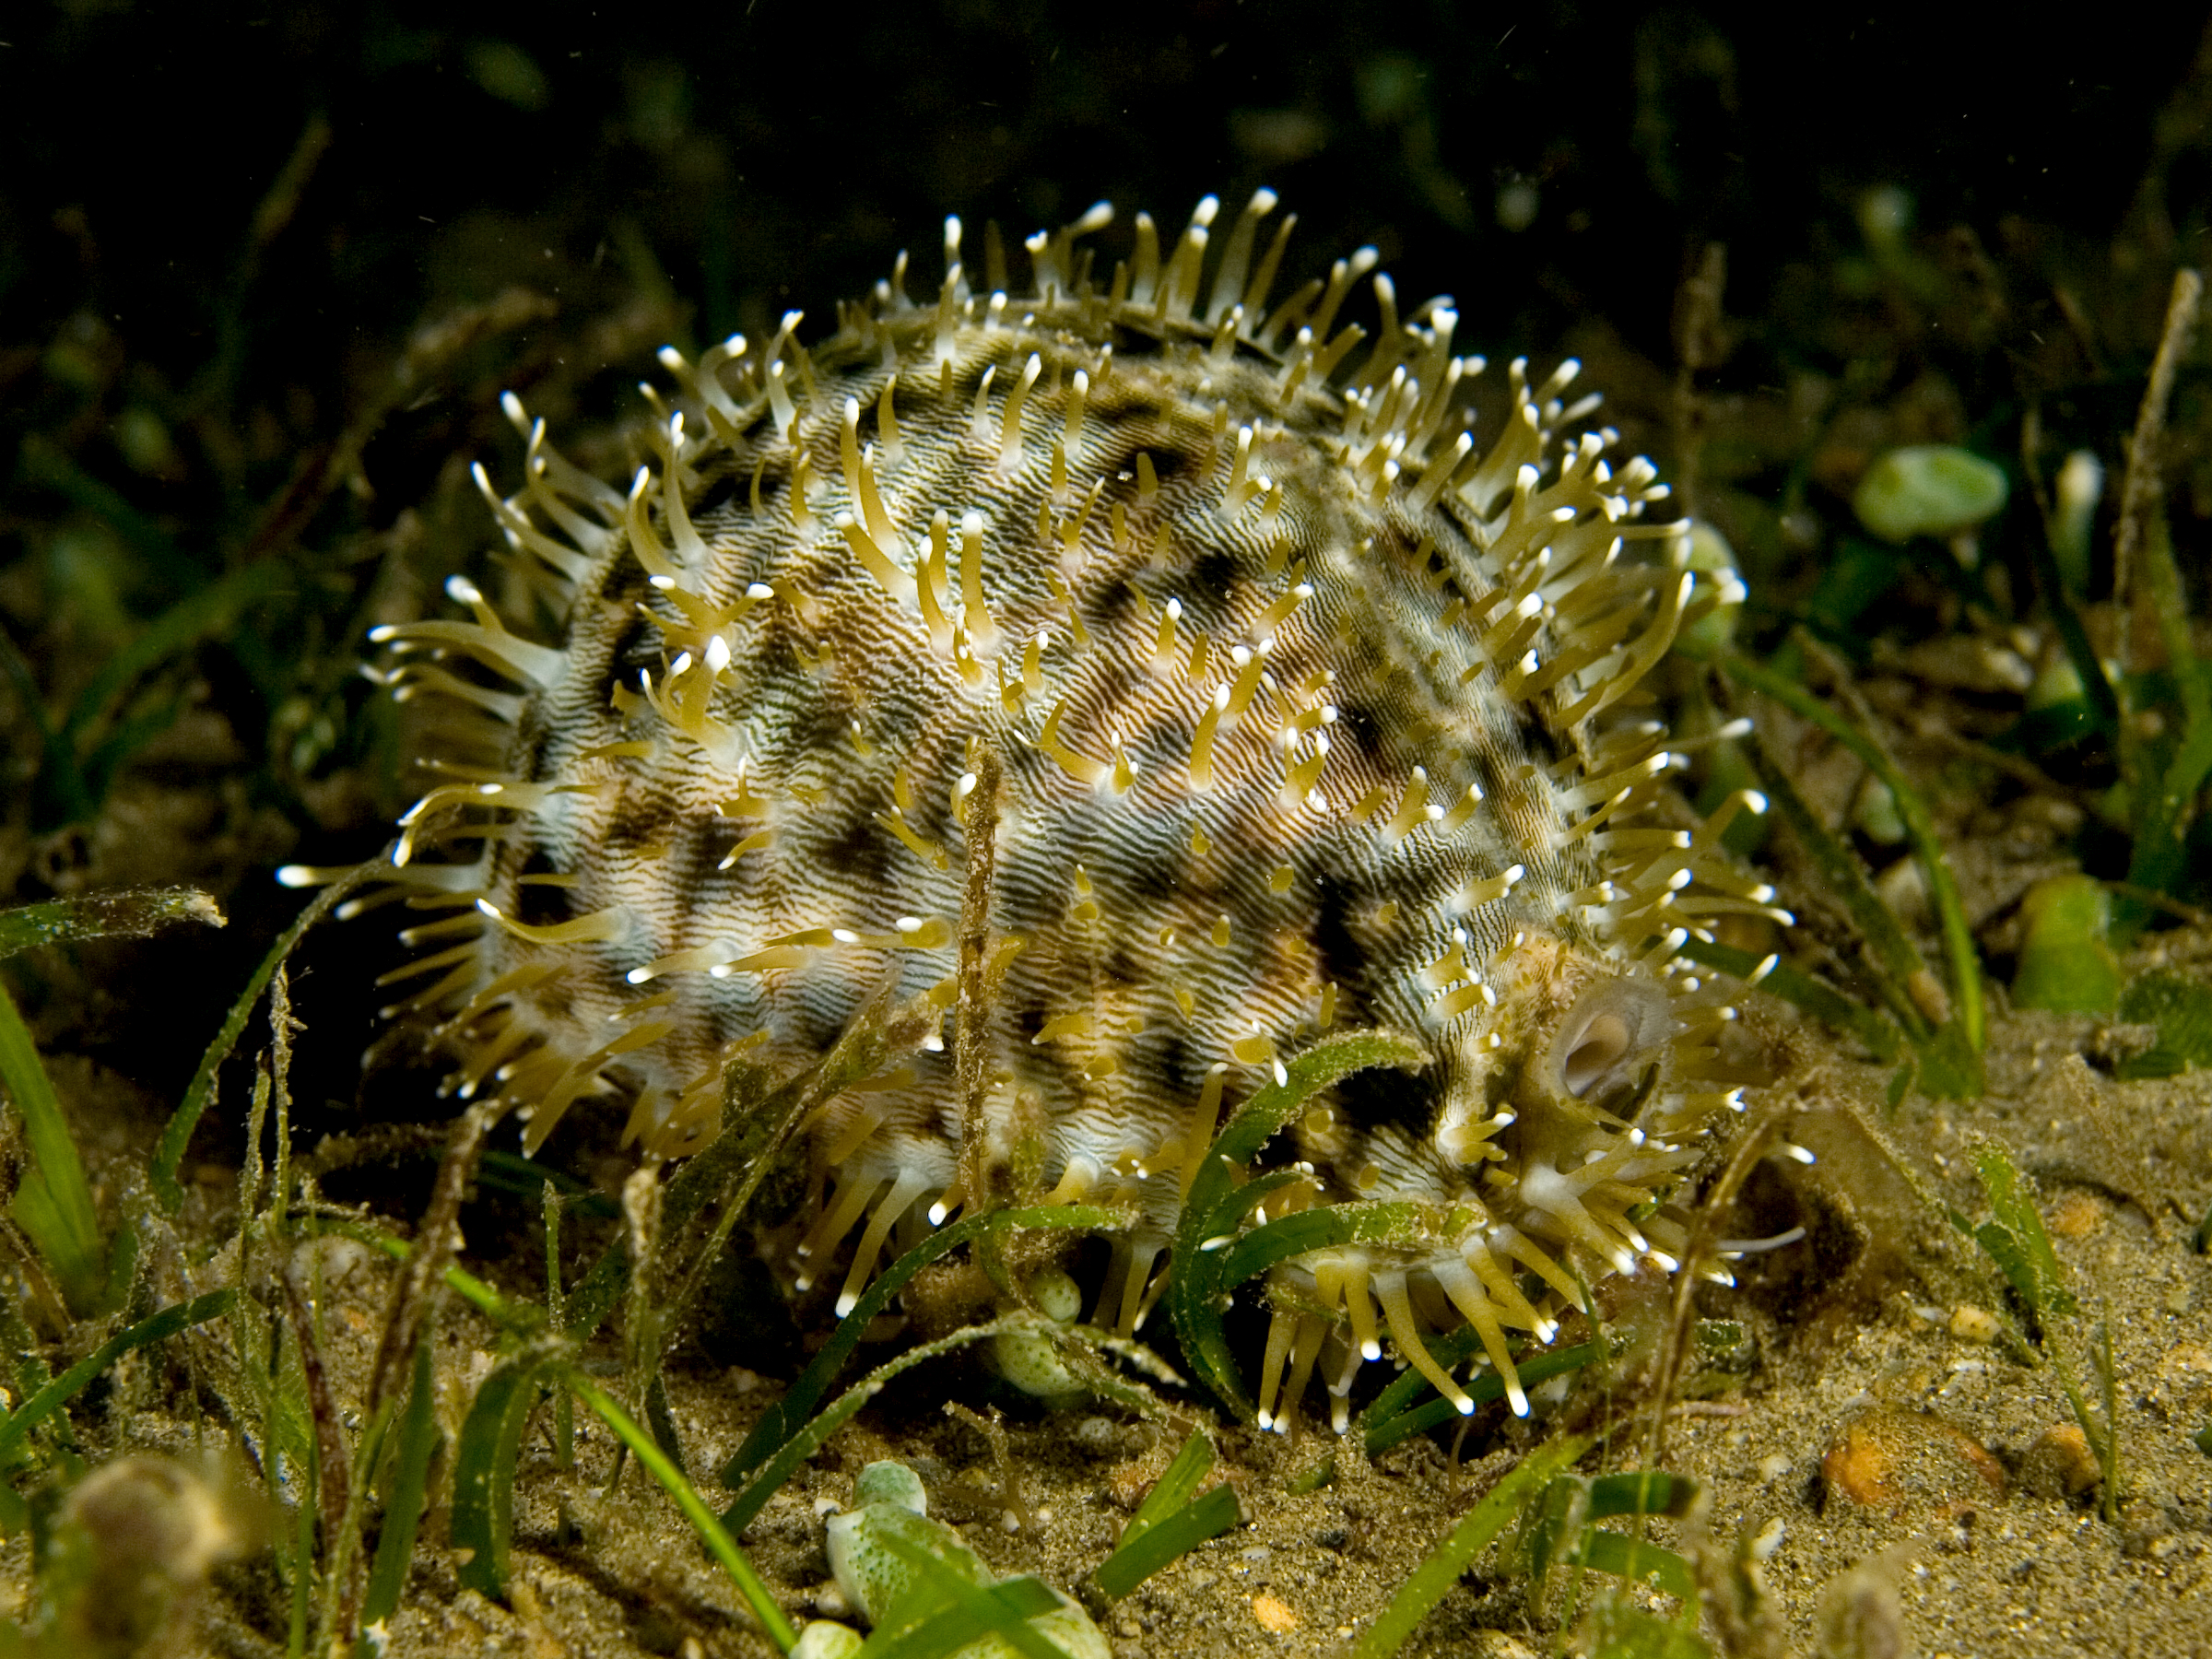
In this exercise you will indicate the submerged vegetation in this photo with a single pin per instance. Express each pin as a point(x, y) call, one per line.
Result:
point(347, 1364)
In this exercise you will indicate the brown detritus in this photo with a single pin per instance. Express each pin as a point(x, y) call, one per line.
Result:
point(1879, 1226)
point(1862, 1615)
point(1732, 1586)
point(1012, 1506)
point(1891, 1456)
point(2061, 1463)
point(949, 1294)
point(133, 1543)
point(420, 1285)
point(332, 1463)
point(2143, 487)
point(1971, 1324)
point(2101, 1150)
point(2077, 1213)
point(1701, 342)
point(644, 1328)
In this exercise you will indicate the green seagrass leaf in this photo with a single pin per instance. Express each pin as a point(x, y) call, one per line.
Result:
point(418, 1439)
point(1638, 1561)
point(1174, 1537)
point(1482, 1524)
point(1195, 1289)
point(1173, 1489)
point(483, 1515)
point(1325, 1227)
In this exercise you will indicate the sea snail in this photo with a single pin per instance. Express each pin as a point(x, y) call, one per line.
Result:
point(1313, 708)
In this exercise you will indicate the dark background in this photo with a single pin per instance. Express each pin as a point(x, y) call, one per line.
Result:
point(777, 153)
point(221, 226)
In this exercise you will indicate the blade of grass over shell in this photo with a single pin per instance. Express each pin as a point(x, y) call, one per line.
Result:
point(1474, 1533)
point(781, 1420)
point(1642, 1492)
point(1325, 1227)
point(1210, 1212)
point(1919, 828)
point(944, 1613)
point(786, 1457)
point(162, 1173)
point(712, 1532)
point(1636, 1560)
point(1391, 1419)
point(155, 1327)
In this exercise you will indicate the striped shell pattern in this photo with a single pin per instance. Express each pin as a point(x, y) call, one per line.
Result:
point(1313, 708)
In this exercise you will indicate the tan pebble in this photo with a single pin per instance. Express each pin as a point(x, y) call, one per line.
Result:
point(2060, 1463)
point(1970, 1323)
point(2078, 1214)
point(1274, 1615)
point(1891, 1456)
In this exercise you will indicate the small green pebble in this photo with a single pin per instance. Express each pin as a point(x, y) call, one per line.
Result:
point(1028, 1360)
point(1057, 1295)
point(1885, 215)
point(1874, 812)
point(2067, 964)
point(2059, 683)
point(2074, 518)
point(826, 1638)
point(1928, 490)
point(888, 1482)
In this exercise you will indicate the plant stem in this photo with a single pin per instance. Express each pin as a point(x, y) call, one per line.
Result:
point(1957, 938)
point(704, 1520)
